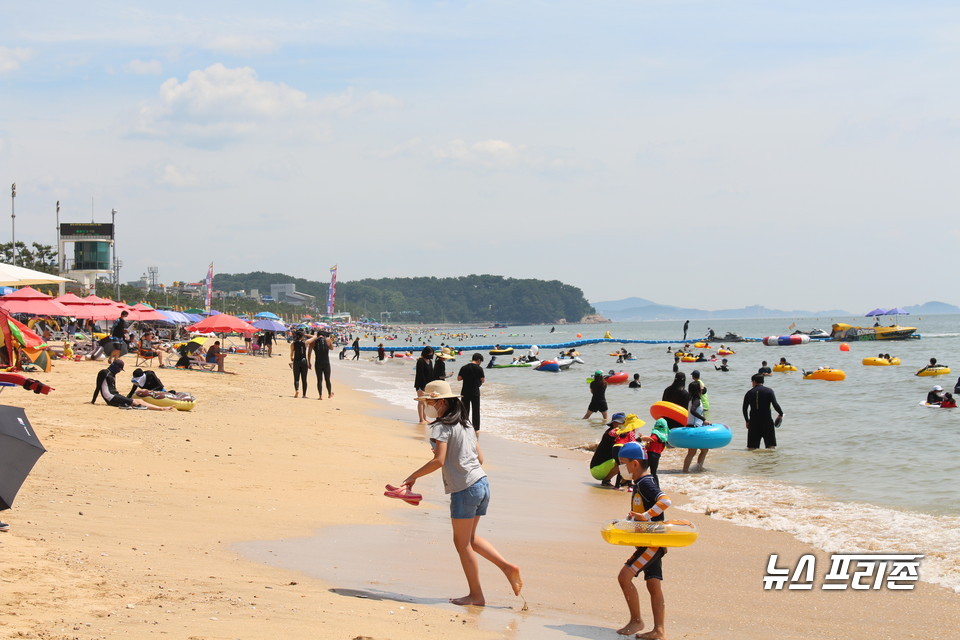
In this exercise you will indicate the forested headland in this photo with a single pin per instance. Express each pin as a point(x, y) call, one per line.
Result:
point(464, 299)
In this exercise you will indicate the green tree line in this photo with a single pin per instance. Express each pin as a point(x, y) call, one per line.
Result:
point(473, 298)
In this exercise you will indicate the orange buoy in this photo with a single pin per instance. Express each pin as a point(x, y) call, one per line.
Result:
point(579, 335)
point(844, 346)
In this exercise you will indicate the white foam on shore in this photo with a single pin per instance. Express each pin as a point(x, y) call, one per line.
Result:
point(507, 418)
point(834, 527)
point(829, 525)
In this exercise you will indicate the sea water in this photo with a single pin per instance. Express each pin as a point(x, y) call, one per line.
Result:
point(860, 466)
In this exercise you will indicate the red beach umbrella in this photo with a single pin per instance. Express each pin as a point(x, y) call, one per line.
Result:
point(222, 323)
point(146, 313)
point(30, 301)
point(90, 308)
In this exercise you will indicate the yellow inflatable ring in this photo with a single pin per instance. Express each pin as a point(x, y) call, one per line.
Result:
point(180, 401)
point(783, 368)
point(880, 362)
point(634, 533)
point(939, 370)
point(825, 374)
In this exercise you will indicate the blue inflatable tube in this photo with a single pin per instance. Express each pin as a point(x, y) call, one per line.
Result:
point(548, 366)
point(711, 436)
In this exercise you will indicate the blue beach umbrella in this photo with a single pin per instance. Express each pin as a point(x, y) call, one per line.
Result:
point(876, 312)
point(897, 311)
point(267, 315)
point(266, 324)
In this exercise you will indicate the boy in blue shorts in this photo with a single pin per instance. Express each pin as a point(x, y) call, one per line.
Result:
point(647, 503)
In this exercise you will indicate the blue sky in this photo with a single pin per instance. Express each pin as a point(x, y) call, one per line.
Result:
point(791, 154)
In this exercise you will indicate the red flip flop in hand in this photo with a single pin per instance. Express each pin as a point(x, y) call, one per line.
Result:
point(403, 493)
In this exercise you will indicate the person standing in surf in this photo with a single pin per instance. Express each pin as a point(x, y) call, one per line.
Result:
point(457, 453)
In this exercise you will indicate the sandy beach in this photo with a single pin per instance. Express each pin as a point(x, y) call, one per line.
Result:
point(258, 515)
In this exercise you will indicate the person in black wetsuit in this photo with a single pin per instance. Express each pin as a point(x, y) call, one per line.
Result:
point(115, 345)
point(598, 397)
point(322, 346)
point(299, 362)
point(440, 367)
point(472, 377)
point(356, 349)
point(107, 387)
point(677, 394)
point(145, 380)
point(756, 411)
point(424, 374)
point(266, 342)
point(635, 383)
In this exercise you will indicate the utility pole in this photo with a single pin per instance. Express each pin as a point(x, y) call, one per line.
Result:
point(116, 263)
point(59, 257)
point(13, 221)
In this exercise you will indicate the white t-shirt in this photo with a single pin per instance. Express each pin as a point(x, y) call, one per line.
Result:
point(461, 467)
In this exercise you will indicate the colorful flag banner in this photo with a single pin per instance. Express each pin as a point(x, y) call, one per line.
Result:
point(209, 283)
point(332, 291)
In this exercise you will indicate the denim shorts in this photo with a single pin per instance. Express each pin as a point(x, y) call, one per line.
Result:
point(471, 502)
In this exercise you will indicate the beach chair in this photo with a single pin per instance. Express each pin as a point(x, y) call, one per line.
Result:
point(146, 357)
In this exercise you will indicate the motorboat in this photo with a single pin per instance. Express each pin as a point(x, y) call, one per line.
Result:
point(813, 333)
point(848, 333)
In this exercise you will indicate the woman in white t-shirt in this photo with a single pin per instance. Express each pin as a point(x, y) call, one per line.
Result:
point(457, 452)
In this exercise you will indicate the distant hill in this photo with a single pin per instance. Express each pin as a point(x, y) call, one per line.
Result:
point(932, 308)
point(637, 309)
point(465, 299)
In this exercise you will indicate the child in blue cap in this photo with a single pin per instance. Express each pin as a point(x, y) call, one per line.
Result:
point(647, 503)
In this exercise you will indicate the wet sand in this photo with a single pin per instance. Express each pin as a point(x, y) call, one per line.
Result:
point(139, 524)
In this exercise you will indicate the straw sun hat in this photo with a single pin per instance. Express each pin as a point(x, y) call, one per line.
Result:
point(437, 390)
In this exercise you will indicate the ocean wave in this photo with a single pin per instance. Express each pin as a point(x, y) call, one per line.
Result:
point(831, 526)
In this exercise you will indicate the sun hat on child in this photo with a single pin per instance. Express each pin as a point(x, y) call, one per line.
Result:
point(437, 390)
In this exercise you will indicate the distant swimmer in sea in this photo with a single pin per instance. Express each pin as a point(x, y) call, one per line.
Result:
point(933, 364)
point(723, 366)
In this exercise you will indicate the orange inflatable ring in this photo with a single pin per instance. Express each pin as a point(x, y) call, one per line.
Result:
point(668, 410)
point(688, 359)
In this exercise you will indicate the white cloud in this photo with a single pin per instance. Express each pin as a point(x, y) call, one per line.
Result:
point(218, 104)
point(242, 45)
point(485, 153)
point(174, 177)
point(10, 59)
point(144, 67)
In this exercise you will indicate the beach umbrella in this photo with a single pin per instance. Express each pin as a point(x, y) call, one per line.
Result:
point(90, 308)
point(897, 311)
point(269, 325)
point(222, 323)
point(32, 302)
point(876, 312)
point(19, 451)
point(146, 313)
point(14, 276)
point(269, 315)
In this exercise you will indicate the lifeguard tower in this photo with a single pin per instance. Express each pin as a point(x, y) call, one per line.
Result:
point(93, 243)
